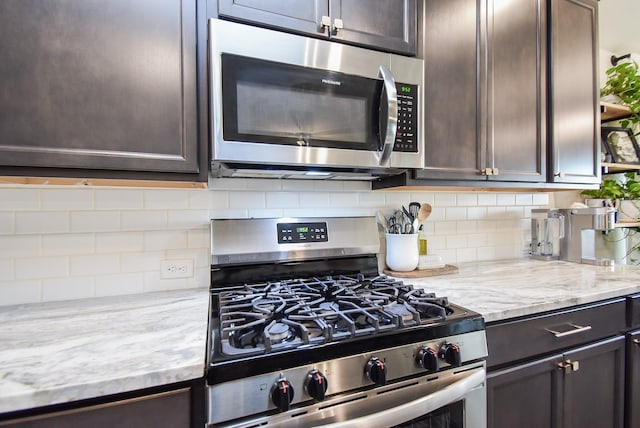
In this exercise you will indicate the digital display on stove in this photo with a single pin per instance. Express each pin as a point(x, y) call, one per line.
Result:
point(295, 233)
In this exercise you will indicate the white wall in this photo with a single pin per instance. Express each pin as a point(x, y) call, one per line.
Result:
point(59, 243)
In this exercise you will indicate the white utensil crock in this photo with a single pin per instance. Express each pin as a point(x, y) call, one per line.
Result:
point(402, 251)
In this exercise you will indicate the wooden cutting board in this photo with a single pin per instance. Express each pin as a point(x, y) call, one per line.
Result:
point(421, 273)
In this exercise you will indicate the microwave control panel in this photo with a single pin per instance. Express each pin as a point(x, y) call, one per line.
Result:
point(295, 233)
point(406, 135)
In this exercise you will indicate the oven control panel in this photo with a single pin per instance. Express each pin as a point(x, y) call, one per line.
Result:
point(296, 233)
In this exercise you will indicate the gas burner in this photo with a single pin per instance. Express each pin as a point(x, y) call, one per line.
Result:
point(278, 332)
point(270, 316)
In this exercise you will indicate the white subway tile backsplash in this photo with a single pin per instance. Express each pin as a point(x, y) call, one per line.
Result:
point(66, 243)
point(119, 242)
point(69, 199)
point(467, 199)
point(94, 221)
point(540, 199)
point(7, 225)
point(20, 292)
point(445, 199)
point(505, 199)
point(6, 270)
point(107, 199)
point(19, 199)
point(282, 200)
point(20, 246)
point(41, 222)
point(247, 200)
point(95, 264)
point(67, 288)
point(266, 213)
point(455, 214)
point(148, 261)
point(524, 199)
point(143, 220)
point(165, 199)
point(114, 285)
point(487, 199)
point(165, 240)
point(187, 219)
point(42, 267)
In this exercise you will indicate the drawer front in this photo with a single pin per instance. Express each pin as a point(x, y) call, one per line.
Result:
point(634, 310)
point(511, 341)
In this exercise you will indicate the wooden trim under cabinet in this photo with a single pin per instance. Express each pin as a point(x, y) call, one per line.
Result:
point(609, 111)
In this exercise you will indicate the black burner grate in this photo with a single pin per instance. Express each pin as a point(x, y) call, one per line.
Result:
point(293, 313)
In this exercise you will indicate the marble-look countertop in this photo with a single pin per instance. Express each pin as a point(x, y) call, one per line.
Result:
point(507, 289)
point(64, 351)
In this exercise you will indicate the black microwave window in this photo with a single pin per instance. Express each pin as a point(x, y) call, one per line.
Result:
point(270, 102)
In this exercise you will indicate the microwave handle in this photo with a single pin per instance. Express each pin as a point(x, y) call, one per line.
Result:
point(388, 114)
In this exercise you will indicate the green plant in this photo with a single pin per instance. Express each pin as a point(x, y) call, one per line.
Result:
point(623, 80)
point(612, 189)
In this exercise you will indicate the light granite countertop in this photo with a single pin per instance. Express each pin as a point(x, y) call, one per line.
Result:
point(65, 351)
point(512, 288)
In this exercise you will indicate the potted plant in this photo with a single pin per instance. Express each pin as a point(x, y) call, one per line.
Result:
point(623, 81)
point(623, 194)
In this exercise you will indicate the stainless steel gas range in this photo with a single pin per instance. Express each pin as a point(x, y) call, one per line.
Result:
point(304, 332)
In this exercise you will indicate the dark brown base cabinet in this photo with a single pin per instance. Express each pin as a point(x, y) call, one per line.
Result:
point(548, 392)
point(633, 380)
point(182, 407)
point(560, 369)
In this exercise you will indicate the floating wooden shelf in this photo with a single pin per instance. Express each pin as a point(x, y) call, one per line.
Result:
point(612, 168)
point(627, 224)
point(609, 111)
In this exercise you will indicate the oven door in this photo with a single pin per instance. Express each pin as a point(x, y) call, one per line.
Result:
point(454, 398)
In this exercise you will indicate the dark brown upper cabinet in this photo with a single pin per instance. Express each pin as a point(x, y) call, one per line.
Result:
point(99, 86)
point(388, 25)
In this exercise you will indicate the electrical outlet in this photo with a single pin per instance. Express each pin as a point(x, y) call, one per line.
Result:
point(176, 268)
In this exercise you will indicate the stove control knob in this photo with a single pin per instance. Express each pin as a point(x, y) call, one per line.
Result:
point(427, 358)
point(376, 371)
point(282, 394)
point(450, 352)
point(316, 384)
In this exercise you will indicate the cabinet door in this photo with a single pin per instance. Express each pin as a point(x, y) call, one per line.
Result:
point(516, 87)
point(525, 395)
point(594, 390)
point(453, 149)
point(99, 85)
point(162, 410)
point(382, 24)
point(573, 119)
point(633, 381)
point(303, 16)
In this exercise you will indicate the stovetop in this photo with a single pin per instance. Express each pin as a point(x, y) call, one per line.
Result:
point(278, 315)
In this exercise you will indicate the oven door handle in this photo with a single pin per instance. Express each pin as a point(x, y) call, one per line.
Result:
point(417, 408)
point(387, 114)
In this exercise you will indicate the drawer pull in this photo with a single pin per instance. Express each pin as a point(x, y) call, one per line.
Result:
point(636, 341)
point(576, 329)
point(569, 366)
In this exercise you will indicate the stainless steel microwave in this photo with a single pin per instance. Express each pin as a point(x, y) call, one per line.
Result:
point(290, 106)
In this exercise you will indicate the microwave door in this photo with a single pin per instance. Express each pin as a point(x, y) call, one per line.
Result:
point(388, 115)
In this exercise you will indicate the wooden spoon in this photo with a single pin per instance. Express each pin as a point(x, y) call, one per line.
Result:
point(424, 212)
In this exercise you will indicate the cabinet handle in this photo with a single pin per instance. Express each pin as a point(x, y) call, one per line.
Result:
point(337, 25)
point(495, 171)
point(636, 341)
point(325, 23)
point(487, 171)
point(576, 329)
point(559, 174)
point(569, 366)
